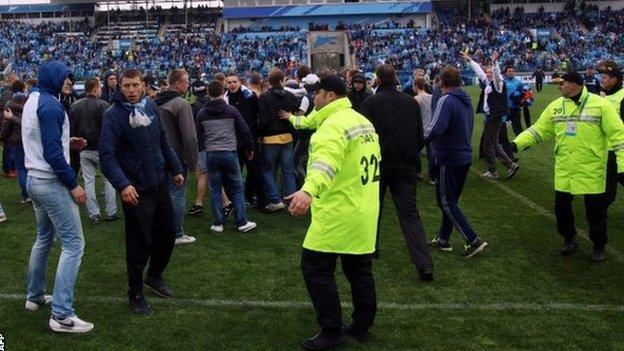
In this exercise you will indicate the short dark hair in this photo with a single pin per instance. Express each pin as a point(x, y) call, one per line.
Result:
point(256, 78)
point(386, 74)
point(450, 77)
point(18, 86)
point(215, 89)
point(176, 75)
point(303, 71)
point(91, 84)
point(131, 73)
point(31, 82)
point(507, 68)
point(219, 76)
point(276, 77)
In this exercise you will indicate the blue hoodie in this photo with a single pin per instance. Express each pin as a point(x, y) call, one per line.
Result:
point(450, 129)
point(45, 127)
point(514, 89)
point(140, 156)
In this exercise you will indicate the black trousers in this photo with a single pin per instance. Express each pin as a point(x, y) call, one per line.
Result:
point(596, 206)
point(253, 182)
point(402, 183)
point(318, 272)
point(538, 85)
point(527, 116)
point(514, 117)
point(612, 177)
point(150, 235)
point(300, 158)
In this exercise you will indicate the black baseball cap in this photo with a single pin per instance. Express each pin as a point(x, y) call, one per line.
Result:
point(612, 69)
point(358, 78)
point(333, 83)
point(572, 77)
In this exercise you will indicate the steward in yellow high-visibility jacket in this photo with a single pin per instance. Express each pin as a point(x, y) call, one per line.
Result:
point(342, 186)
point(612, 90)
point(584, 126)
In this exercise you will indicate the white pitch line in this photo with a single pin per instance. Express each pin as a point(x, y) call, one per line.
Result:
point(541, 210)
point(505, 306)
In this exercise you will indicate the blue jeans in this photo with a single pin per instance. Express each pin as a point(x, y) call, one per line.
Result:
point(272, 153)
point(17, 157)
point(224, 170)
point(55, 212)
point(178, 201)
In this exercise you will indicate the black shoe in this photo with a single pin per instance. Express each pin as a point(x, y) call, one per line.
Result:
point(426, 275)
point(157, 287)
point(598, 255)
point(227, 210)
point(323, 341)
point(512, 170)
point(138, 304)
point(569, 248)
point(95, 219)
point(356, 333)
point(111, 218)
point(196, 209)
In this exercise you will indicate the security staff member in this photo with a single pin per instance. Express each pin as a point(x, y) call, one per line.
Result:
point(584, 126)
point(342, 186)
point(614, 93)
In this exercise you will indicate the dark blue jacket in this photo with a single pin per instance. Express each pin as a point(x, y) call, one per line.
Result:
point(450, 129)
point(140, 156)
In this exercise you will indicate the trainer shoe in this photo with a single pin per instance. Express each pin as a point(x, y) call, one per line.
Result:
point(138, 304)
point(228, 209)
point(185, 239)
point(490, 175)
point(3, 216)
point(323, 341)
point(217, 228)
point(111, 218)
point(71, 324)
point(196, 209)
point(356, 333)
point(26, 200)
point(426, 274)
point(598, 255)
point(95, 219)
point(569, 247)
point(247, 227)
point(442, 246)
point(275, 207)
point(158, 287)
point(474, 248)
point(33, 306)
point(512, 170)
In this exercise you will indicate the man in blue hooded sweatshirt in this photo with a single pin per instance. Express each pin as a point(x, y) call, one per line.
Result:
point(136, 156)
point(55, 195)
point(450, 133)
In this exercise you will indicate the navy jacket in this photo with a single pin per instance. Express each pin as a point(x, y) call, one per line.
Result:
point(450, 129)
point(140, 156)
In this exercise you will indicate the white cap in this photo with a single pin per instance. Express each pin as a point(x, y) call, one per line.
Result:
point(310, 79)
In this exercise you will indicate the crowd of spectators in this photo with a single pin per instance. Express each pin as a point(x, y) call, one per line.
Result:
point(575, 38)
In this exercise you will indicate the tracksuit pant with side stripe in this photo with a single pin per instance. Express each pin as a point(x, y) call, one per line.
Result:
point(450, 181)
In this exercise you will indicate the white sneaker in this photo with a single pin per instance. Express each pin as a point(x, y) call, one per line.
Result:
point(3, 217)
point(490, 175)
point(275, 207)
point(33, 306)
point(71, 324)
point(247, 227)
point(217, 228)
point(185, 239)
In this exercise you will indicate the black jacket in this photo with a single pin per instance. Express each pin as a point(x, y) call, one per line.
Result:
point(86, 116)
point(397, 120)
point(270, 103)
point(358, 97)
point(248, 108)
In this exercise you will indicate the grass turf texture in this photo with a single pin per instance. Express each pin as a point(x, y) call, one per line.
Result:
point(522, 265)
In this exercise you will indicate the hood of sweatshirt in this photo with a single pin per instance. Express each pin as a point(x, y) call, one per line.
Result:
point(166, 96)
point(51, 77)
point(461, 95)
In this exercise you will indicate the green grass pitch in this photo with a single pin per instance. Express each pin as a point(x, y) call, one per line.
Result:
point(245, 292)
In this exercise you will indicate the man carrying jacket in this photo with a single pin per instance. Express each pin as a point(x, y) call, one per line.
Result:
point(86, 116)
point(176, 117)
point(584, 126)
point(342, 186)
point(137, 159)
point(450, 133)
point(397, 120)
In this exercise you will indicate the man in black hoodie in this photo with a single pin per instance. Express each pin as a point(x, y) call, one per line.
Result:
point(176, 116)
point(358, 92)
point(277, 139)
point(397, 120)
point(200, 90)
point(110, 84)
point(246, 103)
